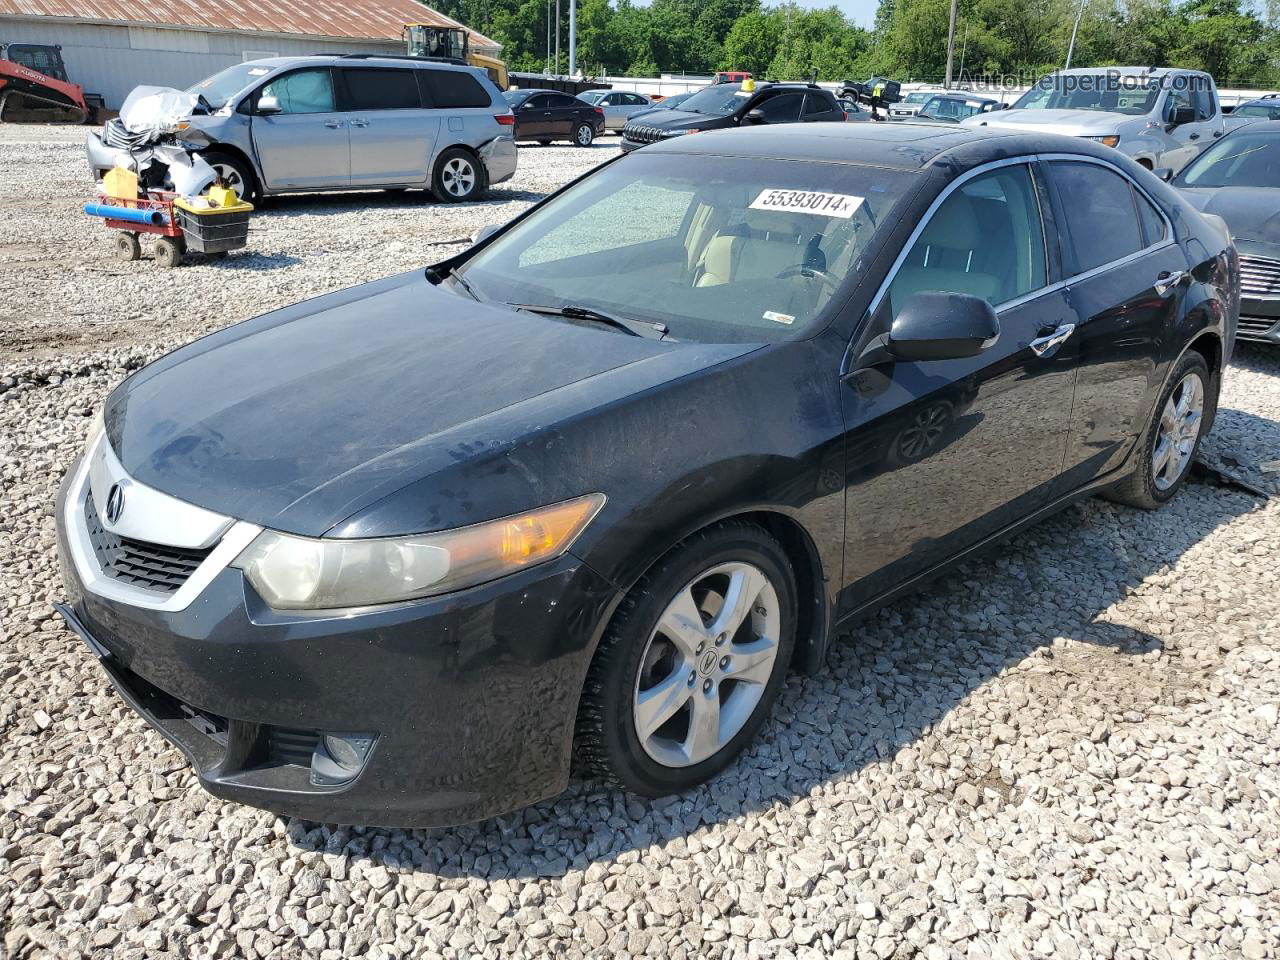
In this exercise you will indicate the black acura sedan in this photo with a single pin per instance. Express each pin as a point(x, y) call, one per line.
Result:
point(597, 483)
point(1238, 179)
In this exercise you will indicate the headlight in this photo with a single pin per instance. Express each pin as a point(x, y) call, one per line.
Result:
point(1110, 140)
point(300, 573)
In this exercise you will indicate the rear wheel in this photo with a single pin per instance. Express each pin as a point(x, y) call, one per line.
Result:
point(691, 663)
point(235, 173)
point(583, 135)
point(1172, 439)
point(126, 246)
point(168, 252)
point(457, 177)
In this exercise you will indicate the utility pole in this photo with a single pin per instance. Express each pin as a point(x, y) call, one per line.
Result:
point(1075, 27)
point(964, 46)
point(557, 38)
point(573, 37)
point(951, 44)
point(547, 64)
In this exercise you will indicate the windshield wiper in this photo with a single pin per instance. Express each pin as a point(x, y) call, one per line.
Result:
point(636, 328)
point(458, 279)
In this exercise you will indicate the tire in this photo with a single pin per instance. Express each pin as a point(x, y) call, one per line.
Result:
point(583, 135)
point(168, 252)
point(640, 666)
point(236, 173)
point(1154, 482)
point(126, 247)
point(544, 143)
point(458, 177)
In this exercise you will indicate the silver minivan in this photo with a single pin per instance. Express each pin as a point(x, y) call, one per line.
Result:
point(295, 124)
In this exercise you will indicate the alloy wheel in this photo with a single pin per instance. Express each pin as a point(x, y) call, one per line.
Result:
point(458, 177)
point(230, 176)
point(1178, 431)
point(584, 136)
point(706, 664)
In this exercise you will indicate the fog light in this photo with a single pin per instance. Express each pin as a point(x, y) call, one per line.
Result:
point(338, 757)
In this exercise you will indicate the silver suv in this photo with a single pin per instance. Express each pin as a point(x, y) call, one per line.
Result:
point(294, 124)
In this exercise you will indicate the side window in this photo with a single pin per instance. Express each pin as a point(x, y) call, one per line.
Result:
point(986, 240)
point(1202, 99)
point(1178, 100)
point(635, 100)
point(454, 89)
point(782, 108)
point(540, 102)
point(1102, 221)
point(303, 91)
point(370, 88)
point(815, 104)
point(1152, 222)
point(559, 101)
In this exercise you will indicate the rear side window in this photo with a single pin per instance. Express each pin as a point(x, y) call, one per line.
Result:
point(1152, 222)
point(782, 108)
point(1102, 219)
point(815, 104)
point(560, 100)
point(454, 89)
point(370, 88)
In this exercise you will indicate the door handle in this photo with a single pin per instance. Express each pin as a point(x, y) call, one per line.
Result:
point(1053, 339)
point(360, 123)
point(1168, 280)
point(1195, 136)
point(333, 124)
point(1217, 134)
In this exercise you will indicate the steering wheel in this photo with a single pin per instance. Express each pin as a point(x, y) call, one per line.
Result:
point(804, 270)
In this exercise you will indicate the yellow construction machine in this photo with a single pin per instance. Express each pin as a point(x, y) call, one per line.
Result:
point(452, 43)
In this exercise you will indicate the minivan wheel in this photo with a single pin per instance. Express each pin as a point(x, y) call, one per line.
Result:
point(457, 177)
point(691, 663)
point(235, 173)
point(583, 135)
point(1172, 439)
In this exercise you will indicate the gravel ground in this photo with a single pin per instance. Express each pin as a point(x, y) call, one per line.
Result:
point(1069, 749)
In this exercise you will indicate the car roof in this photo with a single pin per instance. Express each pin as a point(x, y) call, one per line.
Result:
point(902, 145)
point(1258, 126)
point(330, 59)
point(1126, 71)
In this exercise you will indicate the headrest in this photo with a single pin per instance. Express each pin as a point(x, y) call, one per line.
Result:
point(954, 226)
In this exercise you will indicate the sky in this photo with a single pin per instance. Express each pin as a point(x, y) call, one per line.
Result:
point(861, 12)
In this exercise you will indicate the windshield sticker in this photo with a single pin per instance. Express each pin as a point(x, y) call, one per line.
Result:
point(840, 205)
point(743, 93)
point(786, 318)
point(259, 72)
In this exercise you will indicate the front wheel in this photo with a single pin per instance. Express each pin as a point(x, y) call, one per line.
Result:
point(691, 663)
point(583, 135)
point(234, 173)
point(1171, 440)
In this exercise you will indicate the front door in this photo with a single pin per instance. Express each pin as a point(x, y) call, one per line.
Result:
point(563, 115)
point(1124, 273)
point(304, 142)
point(945, 453)
point(533, 120)
point(1191, 137)
point(392, 135)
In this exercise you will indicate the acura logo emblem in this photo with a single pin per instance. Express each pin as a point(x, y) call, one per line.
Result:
point(115, 503)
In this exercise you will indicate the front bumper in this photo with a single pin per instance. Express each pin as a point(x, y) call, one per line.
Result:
point(1259, 321)
point(102, 158)
point(470, 699)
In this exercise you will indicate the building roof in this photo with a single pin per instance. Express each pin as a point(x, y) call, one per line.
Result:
point(347, 19)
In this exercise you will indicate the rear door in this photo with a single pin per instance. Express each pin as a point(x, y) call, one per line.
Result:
point(305, 144)
point(392, 133)
point(1122, 268)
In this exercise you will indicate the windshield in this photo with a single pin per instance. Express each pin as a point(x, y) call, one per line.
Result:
point(1257, 110)
point(920, 96)
point(1101, 92)
point(1241, 160)
point(718, 100)
point(946, 108)
point(719, 249)
point(221, 87)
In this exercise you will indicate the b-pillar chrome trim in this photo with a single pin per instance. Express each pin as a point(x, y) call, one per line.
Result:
point(148, 515)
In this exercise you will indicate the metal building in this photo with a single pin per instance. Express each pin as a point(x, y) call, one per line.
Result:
point(112, 46)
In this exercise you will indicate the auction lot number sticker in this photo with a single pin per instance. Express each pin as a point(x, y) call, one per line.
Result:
point(840, 205)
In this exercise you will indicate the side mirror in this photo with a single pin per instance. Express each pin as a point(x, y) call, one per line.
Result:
point(484, 233)
point(933, 325)
point(754, 115)
point(268, 105)
point(1164, 173)
point(1180, 115)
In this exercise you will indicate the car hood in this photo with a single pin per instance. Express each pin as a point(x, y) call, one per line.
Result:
point(302, 417)
point(1251, 213)
point(1073, 123)
point(679, 119)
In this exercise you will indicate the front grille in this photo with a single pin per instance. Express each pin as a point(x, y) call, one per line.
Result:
point(152, 566)
point(1257, 324)
point(638, 133)
point(114, 134)
point(1260, 278)
point(288, 745)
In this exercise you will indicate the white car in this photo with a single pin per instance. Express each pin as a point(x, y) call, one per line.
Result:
point(1161, 117)
point(618, 105)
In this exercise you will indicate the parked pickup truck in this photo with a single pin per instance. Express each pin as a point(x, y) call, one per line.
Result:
point(1161, 117)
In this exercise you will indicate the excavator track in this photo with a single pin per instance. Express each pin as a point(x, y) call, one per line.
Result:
point(43, 110)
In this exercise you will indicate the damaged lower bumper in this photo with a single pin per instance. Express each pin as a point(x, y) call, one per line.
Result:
point(499, 156)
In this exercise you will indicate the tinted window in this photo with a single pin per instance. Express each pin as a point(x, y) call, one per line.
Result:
point(540, 102)
point(782, 108)
point(1152, 222)
point(559, 101)
point(815, 104)
point(373, 89)
point(303, 91)
point(1203, 102)
point(1101, 218)
point(452, 89)
point(985, 240)
point(1178, 100)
